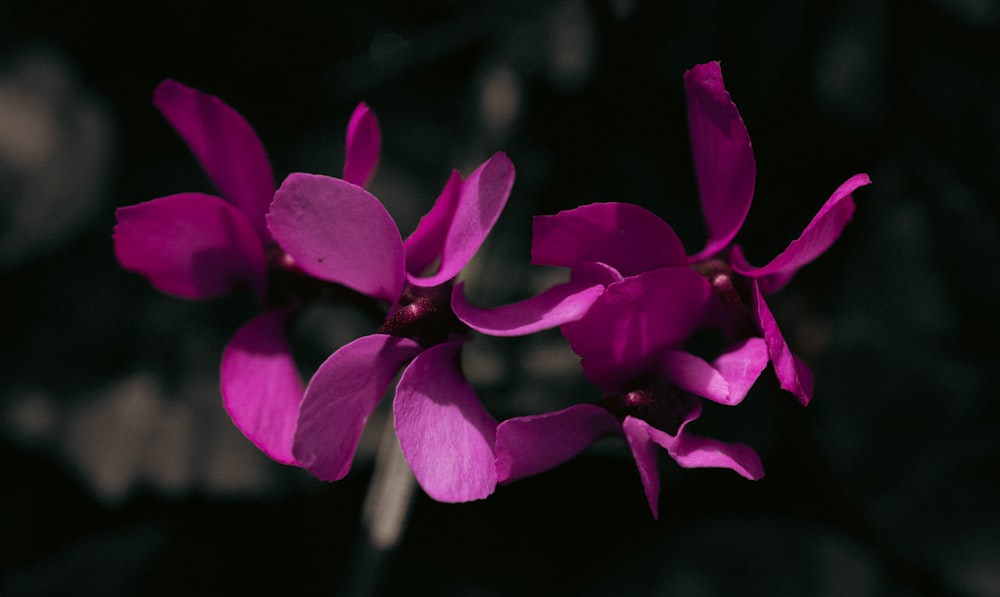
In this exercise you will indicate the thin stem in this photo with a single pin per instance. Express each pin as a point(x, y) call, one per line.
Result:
point(384, 515)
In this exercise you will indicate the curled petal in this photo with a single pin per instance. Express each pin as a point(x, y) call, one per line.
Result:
point(627, 237)
point(793, 374)
point(339, 232)
point(693, 374)
point(191, 245)
point(423, 247)
point(482, 197)
point(445, 433)
point(530, 445)
point(692, 451)
point(554, 307)
point(636, 319)
point(825, 227)
point(741, 365)
point(643, 448)
point(261, 389)
point(364, 143)
point(339, 399)
point(226, 146)
point(723, 158)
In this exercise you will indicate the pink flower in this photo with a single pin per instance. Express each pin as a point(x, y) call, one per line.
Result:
point(199, 246)
point(338, 232)
point(631, 344)
point(725, 170)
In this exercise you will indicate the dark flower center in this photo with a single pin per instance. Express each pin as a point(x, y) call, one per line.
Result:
point(662, 405)
point(425, 315)
point(732, 293)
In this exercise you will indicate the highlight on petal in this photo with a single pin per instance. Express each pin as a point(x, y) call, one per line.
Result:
point(723, 158)
point(638, 436)
point(560, 304)
point(191, 245)
point(364, 143)
point(339, 232)
point(226, 146)
point(825, 227)
point(482, 197)
point(741, 365)
point(445, 433)
point(793, 374)
point(627, 237)
point(534, 444)
point(340, 397)
point(634, 321)
point(261, 388)
point(423, 247)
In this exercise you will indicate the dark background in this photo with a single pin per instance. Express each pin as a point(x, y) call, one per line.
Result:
point(122, 474)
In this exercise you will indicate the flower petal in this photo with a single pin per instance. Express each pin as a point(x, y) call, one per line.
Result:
point(741, 365)
point(692, 451)
point(693, 374)
point(530, 445)
point(339, 399)
point(627, 237)
point(637, 433)
point(723, 158)
point(261, 388)
point(226, 146)
point(560, 304)
point(793, 374)
point(482, 197)
point(364, 143)
point(423, 247)
point(445, 433)
point(818, 236)
point(339, 232)
point(627, 328)
point(191, 245)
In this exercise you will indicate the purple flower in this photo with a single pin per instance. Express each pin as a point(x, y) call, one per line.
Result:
point(338, 232)
point(631, 345)
point(725, 171)
point(199, 246)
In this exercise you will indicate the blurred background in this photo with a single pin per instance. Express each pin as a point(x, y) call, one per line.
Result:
point(123, 475)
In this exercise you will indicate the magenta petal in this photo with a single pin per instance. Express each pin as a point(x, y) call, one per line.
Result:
point(339, 399)
point(226, 146)
point(423, 247)
point(557, 305)
point(793, 374)
point(364, 143)
point(693, 374)
point(741, 365)
point(818, 236)
point(723, 157)
point(629, 326)
point(482, 197)
point(339, 232)
point(637, 433)
point(261, 389)
point(445, 433)
point(191, 245)
point(530, 445)
point(627, 237)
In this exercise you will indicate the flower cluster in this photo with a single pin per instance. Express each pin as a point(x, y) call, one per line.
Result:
point(634, 300)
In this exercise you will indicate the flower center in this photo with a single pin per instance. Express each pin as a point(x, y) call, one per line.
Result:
point(662, 405)
point(732, 293)
point(425, 315)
